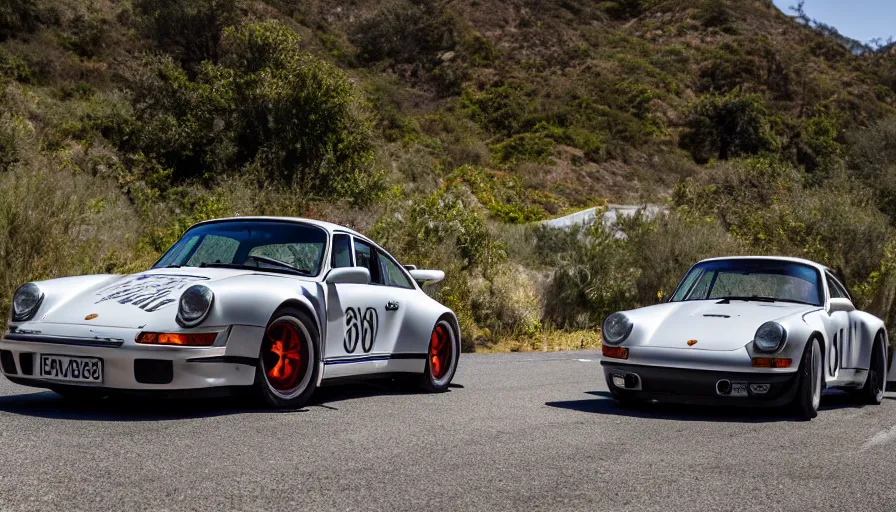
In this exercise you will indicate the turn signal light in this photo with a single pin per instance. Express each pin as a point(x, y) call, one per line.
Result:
point(614, 352)
point(204, 339)
point(771, 362)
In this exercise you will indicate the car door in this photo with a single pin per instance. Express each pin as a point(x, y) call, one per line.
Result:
point(355, 311)
point(402, 301)
point(842, 331)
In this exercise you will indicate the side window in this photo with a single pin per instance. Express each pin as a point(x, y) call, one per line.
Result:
point(394, 276)
point(365, 256)
point(342, 252)
point(836, 289)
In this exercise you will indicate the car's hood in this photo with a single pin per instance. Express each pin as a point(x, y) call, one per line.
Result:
point(131, 300)
point(714, 326)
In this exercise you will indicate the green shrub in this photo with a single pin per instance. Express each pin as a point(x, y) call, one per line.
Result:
point(266, 105)
point(16, 137)
point(728, 126)
point(17, 17)
point(764, 203)
point(190, 30)
point(500, 193)
point(717, 14)
point(525, 147)
point(14, 68)
point(500, 110)
point(817, 144)
point(406, 32)
point(593, 277)
point(872, 158)
point(598, 272)
point(624, 9)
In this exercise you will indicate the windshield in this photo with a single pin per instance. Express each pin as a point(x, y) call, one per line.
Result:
point(286, 247)
point(751, 279)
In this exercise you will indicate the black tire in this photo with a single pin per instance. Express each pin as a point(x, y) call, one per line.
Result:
point(284, 393)
point(438, 373)
point(808, 397)
point(872, 392)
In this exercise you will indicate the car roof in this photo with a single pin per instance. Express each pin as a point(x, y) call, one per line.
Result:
point(773, 258)
point(327, 226)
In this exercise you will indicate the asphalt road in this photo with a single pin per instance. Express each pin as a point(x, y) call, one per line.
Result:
point(517, 432)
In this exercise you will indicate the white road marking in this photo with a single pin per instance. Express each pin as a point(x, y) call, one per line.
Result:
point(882, 437)
point(584, 360)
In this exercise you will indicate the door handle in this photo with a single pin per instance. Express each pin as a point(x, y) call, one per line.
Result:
point(391, 305)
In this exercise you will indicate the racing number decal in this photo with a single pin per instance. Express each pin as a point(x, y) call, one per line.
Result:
point(360, 327)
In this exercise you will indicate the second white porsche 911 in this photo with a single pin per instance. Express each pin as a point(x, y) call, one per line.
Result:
point(271, 304)
point(748, 331)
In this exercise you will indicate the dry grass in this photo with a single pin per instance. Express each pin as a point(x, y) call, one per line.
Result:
point(546, 341)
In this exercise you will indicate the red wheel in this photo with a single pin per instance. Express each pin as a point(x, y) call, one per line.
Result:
point(288, 361)
point(440, 352)
point(441, 357)
point(284, 361)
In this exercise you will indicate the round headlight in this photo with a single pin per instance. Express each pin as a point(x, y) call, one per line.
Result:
point(195, 303)
point(616, 329)
point(769, 337)
point(26, 302)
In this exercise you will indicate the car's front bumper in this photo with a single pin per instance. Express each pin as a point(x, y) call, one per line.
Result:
point(681, 385)
point(130, 366)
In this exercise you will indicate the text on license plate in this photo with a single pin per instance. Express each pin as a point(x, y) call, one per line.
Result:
point(78, 369)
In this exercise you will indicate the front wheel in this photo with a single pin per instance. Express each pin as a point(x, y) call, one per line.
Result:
point(808, 397)
point(441, 358)
point(288, 363)
point(873, 391)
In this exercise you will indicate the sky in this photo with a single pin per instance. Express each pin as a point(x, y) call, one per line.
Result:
point(862, 20)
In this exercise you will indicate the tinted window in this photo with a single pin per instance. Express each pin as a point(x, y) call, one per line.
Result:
point(365, 256)
point(342, 251)
point(836, 289)
point(394, 276)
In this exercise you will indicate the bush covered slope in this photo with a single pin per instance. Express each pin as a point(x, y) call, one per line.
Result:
point(444, 129)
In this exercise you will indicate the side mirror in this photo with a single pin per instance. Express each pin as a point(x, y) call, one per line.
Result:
point(349, 275)
point(427, 276)
point(839, 304)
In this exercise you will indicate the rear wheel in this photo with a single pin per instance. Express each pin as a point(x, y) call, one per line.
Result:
point(441, 358)
point(288, 363)
point(873, 391)
point(808, 397)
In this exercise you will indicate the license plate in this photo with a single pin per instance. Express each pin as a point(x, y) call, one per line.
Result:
point(738, 389)
point(73, 369)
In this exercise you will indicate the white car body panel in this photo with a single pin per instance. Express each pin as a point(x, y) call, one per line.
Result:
point(121, 307)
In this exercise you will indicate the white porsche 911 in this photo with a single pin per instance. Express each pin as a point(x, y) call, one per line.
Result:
point(748, 331)
point(273, 305)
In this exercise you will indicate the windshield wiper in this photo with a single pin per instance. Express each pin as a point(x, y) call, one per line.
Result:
point(272, 261)
point(281, 270)
point(753, 298)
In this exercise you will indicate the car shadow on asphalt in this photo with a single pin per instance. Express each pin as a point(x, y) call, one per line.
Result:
point(605, 404)
point(47, 404)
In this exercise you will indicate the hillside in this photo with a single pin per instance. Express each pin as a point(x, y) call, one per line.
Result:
point(443, 129)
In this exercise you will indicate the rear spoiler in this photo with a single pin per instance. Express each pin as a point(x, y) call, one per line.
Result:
point(424, 277)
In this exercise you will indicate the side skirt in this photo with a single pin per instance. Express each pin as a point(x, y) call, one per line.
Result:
point(348, 366)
